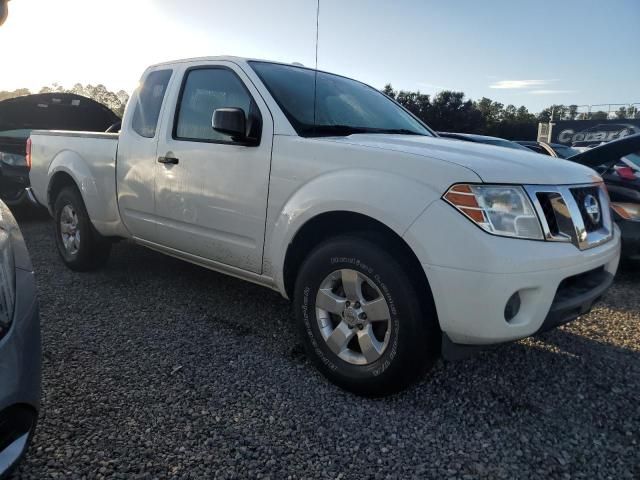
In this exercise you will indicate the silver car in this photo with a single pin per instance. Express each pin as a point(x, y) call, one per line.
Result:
point(20, 351)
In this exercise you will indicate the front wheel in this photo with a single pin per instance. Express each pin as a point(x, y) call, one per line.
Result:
point(363, 323)
point(80, 246)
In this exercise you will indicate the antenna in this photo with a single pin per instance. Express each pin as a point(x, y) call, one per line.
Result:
point(315, 76)
point(317, 24)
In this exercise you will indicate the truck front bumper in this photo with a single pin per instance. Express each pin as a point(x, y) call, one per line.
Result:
point(473, 275)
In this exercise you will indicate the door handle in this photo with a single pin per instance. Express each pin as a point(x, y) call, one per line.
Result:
point(168, 160)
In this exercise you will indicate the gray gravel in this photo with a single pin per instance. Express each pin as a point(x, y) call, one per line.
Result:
point(154, 368)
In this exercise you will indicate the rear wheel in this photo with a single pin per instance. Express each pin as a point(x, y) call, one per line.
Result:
point(80, 246)
point(362, 321)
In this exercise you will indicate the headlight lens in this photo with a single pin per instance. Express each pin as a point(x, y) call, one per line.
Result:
point(498, 209)
point(7, 282)
point(628, 211)
point(13, 159)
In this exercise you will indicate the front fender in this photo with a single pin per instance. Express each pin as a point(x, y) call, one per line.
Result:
point(393, 200)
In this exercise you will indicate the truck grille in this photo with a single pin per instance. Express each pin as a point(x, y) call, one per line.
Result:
point(549, 214)
point(577, 214)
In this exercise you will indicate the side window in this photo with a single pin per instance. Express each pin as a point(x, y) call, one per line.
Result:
point(145, 116)
point(205, 90)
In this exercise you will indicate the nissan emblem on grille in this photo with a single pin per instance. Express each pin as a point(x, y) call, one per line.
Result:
point(592, 208)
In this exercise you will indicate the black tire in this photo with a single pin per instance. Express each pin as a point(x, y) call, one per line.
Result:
point(414, 339)
point(93, 249)
point(18, 413)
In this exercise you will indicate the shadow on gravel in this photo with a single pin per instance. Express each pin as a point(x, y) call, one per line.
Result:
point(575, 344)
point(29, 214)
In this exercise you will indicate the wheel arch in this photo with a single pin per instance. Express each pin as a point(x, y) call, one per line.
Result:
point(338, 223)
point(60, 180)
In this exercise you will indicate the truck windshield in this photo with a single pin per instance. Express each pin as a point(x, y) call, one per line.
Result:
point(342, 106)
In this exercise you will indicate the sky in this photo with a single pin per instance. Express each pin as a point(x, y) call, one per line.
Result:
point(525, 52)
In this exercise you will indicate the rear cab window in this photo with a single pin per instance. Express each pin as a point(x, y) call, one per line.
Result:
point(149, 103)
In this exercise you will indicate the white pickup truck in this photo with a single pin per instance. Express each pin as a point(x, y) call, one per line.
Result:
point(394, 245)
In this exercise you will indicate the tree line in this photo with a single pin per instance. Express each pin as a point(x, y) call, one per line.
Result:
point(446, 111)
point(450, 111)
point(116, 101)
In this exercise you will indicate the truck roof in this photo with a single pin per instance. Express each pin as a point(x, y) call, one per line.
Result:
point(235, 59)
point(229, 58)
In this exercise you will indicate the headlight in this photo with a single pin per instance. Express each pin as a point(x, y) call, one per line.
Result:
point(13, 159)
point(628, 211)
point(7, 282)
point(498, 209)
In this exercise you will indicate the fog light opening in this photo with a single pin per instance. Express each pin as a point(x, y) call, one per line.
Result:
point(512, 307)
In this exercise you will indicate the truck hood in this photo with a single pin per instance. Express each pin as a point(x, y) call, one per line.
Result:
point(491, 163)
point(55, 111)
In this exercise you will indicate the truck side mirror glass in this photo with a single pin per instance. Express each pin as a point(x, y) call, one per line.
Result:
point(230, 121)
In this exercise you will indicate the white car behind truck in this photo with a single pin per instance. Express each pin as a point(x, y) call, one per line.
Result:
point(394, 245)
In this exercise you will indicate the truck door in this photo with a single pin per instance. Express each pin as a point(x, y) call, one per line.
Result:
point(211, 190)
point(136, 164)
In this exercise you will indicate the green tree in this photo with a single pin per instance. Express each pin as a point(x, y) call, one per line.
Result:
point(491, 113)
point(451, 112)
point(416, 102)
point(54, 88)
point(389, 91)
point(116, 101)
point(5, 94)
point(509, 113)
point(523, 115)
point(573, 112)
point(627, 112)
point(559, 112)
point(599, 115)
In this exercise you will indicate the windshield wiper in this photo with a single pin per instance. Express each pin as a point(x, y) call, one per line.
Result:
point(397, 131)
point(337, 130)
point(346, 130)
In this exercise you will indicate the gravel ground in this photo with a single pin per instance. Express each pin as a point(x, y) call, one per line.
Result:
point(154, 368)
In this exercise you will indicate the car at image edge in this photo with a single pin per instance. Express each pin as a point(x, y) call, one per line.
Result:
point(394, 245)
point(20, 350)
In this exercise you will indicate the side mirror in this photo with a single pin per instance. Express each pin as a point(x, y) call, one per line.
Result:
point(230, 121)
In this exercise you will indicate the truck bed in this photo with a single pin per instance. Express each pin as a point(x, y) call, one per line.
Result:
point(89, 159)
point(74, 133)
